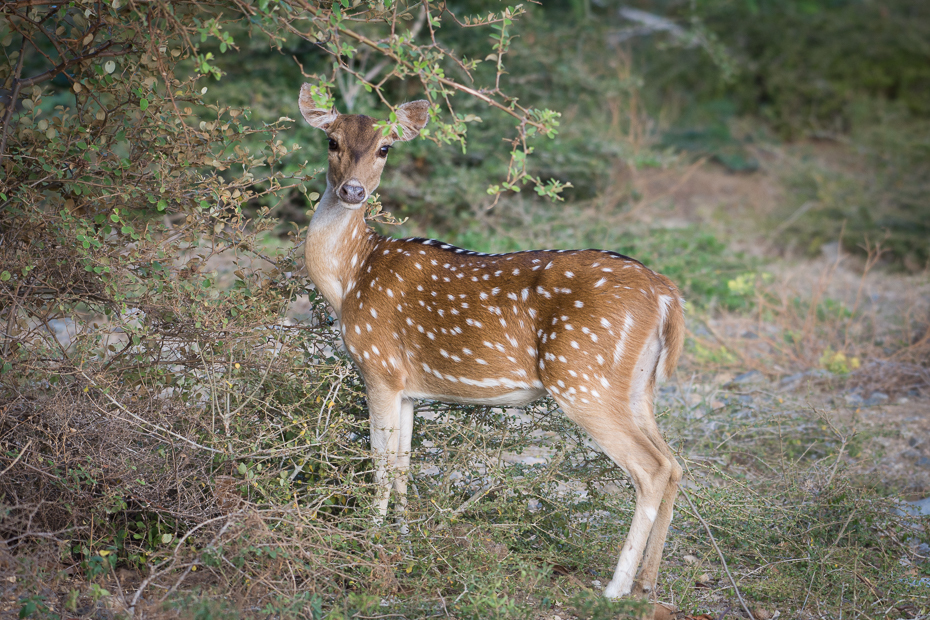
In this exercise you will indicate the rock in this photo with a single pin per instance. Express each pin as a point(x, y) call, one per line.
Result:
point(64, 330)
point(877, 398)
point(853, 399)
point(746, 377)
point(921, 506)
point(762, 614)
point(923, 462)
point(690, 559)
point(832, 251)
point(793, 381)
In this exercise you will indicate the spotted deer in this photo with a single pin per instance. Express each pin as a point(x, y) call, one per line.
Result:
point(423, 319)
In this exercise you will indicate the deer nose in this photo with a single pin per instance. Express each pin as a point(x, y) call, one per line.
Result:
point(352, 193)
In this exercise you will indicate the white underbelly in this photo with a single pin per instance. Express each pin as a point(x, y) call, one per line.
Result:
point(514, 398)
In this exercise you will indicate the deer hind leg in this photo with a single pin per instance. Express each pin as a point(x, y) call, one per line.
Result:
point(384, 410)
point(650, 472)
point(617, 434)
point(642, 403)
point(641, 394)
point(646, 580)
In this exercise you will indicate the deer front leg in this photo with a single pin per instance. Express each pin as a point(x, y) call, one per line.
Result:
point(402, 464)
point(384, 409)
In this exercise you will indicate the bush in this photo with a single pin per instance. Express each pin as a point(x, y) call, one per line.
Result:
point(159, 413)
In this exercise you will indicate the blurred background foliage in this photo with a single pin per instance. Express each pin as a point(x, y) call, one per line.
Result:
point(642, 83)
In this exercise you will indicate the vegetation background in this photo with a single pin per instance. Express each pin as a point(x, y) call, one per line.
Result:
point(181, 435)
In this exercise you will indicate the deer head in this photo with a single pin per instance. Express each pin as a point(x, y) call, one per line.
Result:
point(357, 148)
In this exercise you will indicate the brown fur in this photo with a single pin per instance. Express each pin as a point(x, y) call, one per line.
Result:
point(422, 319)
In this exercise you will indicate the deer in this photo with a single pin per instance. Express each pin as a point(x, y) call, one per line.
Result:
point(421, 319)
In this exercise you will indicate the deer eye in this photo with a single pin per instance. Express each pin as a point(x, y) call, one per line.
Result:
point(383, 151)
point(333, 145)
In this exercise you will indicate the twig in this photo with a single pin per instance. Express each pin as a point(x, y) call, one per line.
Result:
point(474, 498)
point(839, 457)
point(14, 95)
point(21, 453)
point(804, 208)
point(144, 421)
point(723, 561)
point(713, 332)
point(119, 586)
point(157, 571)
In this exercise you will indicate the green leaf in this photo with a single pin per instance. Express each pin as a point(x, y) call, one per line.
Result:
point(28, 608)
point(143, 104)
point(5, 276)
point(162, 205)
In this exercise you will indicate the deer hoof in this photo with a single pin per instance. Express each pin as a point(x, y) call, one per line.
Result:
point(615, 590)
point(640, 589)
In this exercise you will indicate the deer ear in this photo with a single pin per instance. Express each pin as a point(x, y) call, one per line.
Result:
point(321, 119)
point(412, 117)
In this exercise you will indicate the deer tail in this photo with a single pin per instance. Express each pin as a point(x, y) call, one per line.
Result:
point(671, 334)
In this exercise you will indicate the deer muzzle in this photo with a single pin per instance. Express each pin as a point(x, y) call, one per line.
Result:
point(352, 192)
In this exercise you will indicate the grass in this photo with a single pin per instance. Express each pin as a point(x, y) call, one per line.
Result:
point(277, 521)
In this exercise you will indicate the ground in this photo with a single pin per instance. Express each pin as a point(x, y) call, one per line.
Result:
point(814, 393)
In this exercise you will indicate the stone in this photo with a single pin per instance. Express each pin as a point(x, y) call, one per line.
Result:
point(853, 399)
point(832, 251)
point(690, 559)
point(921, 506)
point(795, 380)
point(746, 377)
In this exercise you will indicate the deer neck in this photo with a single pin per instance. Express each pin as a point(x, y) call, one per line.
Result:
point(338, 244)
